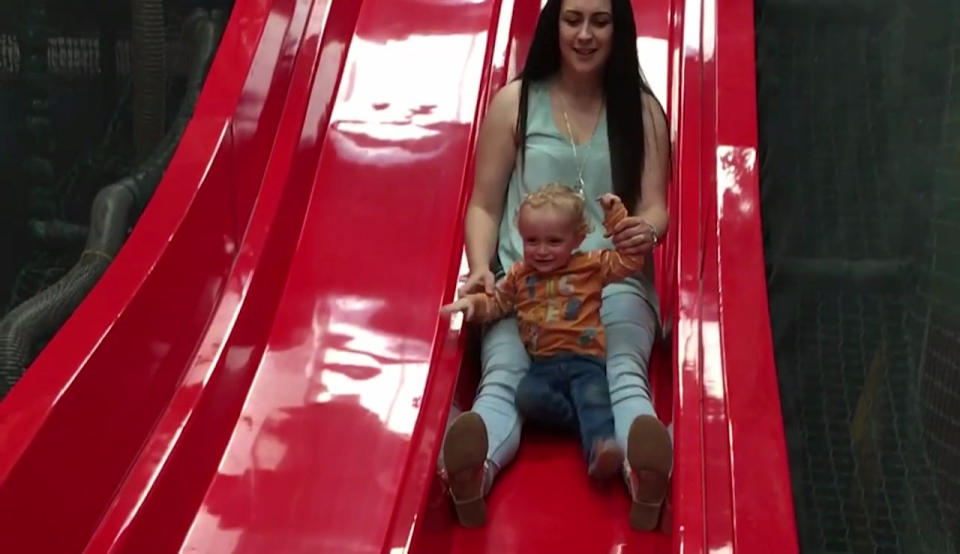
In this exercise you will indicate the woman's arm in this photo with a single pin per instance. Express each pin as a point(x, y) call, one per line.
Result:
point(634, 235)
point(652, 206)
point(496, 152)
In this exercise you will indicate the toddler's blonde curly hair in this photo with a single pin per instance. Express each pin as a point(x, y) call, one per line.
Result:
point(559, 197)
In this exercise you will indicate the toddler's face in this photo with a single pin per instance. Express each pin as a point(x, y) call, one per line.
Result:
point(549, 237)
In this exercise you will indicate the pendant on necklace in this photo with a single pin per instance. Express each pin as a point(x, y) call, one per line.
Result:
point(581, 186)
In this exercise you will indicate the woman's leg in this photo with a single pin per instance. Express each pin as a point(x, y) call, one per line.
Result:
point(480, 442)
point(630, 325)
point(504, 362)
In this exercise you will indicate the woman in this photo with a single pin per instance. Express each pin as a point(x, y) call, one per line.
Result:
point(579, 114)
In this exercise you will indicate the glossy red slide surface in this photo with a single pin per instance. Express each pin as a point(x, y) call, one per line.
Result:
point(263, 369)
point(731, 485)
point(78, 417)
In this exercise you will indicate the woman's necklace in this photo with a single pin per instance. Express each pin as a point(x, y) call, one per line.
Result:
point(581, 186)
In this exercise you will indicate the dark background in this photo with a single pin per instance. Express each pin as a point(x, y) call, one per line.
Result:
point(859, 104)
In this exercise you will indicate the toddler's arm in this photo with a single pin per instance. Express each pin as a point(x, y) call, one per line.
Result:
point(617, 266)
point(483, 307)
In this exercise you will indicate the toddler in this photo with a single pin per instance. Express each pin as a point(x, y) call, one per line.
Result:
point(556, 295)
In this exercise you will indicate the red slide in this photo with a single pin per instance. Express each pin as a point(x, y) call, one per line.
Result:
point(263, 368)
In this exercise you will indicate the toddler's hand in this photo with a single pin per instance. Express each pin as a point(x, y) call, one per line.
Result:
point(463, 305)
point(608, 201)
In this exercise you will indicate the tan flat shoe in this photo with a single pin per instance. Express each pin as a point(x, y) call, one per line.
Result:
point(647, 470)
point(464, 461)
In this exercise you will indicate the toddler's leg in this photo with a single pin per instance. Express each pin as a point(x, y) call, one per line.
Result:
point(540, 398)
point(591, 397)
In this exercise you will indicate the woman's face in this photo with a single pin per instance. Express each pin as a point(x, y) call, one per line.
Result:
point(586, 33)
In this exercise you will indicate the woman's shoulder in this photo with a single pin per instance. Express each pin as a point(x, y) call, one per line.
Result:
point(503, 109)
point(654, 114)
point(506, 101)
point(652, 106)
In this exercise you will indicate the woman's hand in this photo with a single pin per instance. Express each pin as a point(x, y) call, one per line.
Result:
point(481, 280)
point(633, 236)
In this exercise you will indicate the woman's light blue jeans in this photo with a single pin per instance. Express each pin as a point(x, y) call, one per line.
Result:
point(630, 325)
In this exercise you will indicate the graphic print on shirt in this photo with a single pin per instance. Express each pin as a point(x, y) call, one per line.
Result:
point(561, 287)
point(531, 332)
point(553, 308)
point(532, 285)
point(573, 308)
point(587, 336)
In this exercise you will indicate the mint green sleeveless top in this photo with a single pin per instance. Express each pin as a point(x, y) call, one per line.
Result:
point(550, 159)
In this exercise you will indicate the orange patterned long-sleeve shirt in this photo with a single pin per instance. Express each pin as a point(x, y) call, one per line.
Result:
point(559, 312)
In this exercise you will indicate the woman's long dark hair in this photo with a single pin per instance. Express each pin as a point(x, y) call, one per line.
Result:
point(623, 87)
